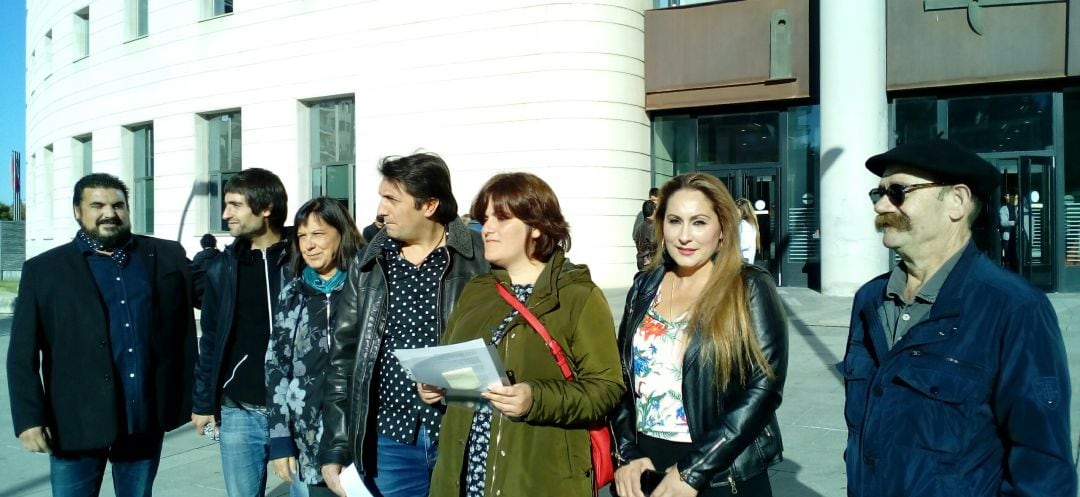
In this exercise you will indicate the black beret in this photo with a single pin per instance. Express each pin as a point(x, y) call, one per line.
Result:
point(944, 161)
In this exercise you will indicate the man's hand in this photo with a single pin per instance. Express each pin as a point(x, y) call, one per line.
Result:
point(673, 486)
point(430, 394)
point(200, 421)
point(628, 477)
point(36, 439)
point(514, 401)
point(331, 474)
point(284, 468)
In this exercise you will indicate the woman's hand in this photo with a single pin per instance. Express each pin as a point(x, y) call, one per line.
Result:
point(673, 486)
point(513, 401)
point(284, 468)
point(628, 477)
point(430, 394)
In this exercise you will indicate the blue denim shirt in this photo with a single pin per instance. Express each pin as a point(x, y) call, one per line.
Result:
point(125, 290)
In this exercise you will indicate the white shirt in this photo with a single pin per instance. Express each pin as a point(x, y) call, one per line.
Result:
point(747, 241)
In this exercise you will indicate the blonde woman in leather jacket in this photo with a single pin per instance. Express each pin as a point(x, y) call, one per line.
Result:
point(704, 348)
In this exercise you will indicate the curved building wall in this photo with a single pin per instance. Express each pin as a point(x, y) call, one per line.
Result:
point(555, 88)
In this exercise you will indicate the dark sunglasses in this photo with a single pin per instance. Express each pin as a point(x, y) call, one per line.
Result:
point(897, 192)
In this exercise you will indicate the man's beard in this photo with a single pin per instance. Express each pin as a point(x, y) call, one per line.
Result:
point(113, 240)
point(894, 220)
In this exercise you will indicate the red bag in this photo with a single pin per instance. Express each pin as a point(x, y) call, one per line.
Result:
point(600, 438)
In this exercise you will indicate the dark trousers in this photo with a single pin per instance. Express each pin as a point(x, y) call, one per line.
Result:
point(664, 454)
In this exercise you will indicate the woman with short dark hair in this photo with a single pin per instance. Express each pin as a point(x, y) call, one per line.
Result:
point(529, 438)
point(297, 355)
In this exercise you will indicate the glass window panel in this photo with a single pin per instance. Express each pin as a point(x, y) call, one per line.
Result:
point(82, 32)
point(87, 156)
point(1002, 123)
point(345, 131)
point(337, 182)
point(739, 139)
point(141, 27)
point(673, 143)
point(916, 120)
point(316, 182)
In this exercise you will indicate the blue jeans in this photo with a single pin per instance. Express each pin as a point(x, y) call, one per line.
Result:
point(134, 461)
point(245, 453)
point(398, 466)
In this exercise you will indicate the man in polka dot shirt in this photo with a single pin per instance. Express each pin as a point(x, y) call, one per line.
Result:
point(399, 295)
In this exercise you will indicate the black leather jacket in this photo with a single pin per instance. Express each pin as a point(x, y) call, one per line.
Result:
point(358, 332)
point(735, 434)
point(217, 292)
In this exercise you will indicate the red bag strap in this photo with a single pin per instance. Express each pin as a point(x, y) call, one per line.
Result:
point(552, 345)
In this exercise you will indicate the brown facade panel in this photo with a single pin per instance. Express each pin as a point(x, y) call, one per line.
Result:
point(930, 43)
point(732, 52)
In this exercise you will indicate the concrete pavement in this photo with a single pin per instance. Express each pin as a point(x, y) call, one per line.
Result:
point(811, 416)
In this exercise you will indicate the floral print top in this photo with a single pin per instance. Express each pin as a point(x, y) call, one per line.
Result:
point(297, 358)
point(658, 349)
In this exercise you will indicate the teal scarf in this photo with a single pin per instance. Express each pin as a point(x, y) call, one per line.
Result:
point(325, 286)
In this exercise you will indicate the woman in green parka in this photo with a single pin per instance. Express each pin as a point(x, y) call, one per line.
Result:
point(530, 438)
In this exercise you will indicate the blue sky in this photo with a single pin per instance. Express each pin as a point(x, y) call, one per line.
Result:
point(12, 91)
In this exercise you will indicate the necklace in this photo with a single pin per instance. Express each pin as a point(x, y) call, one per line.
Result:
point(674, 280)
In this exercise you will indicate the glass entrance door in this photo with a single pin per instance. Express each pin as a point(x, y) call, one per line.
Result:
point(1024, 216)
point(1035, 226)
point(761, 186)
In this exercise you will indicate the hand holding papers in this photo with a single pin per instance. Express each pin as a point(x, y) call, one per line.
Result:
point(464, 370)
point(353, 483)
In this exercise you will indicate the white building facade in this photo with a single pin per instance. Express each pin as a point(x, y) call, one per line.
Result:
point(173, 96)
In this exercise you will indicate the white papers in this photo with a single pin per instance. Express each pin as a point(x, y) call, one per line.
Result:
point(353, 483)
point(462, 369)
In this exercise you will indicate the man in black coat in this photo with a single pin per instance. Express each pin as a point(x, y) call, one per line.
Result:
point(102, 348)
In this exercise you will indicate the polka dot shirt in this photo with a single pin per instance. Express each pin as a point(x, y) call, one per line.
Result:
point(412, 323)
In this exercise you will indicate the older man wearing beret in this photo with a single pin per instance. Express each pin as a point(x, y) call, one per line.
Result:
point(955, 373)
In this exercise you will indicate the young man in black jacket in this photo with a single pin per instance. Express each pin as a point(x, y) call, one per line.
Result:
point(241, 288)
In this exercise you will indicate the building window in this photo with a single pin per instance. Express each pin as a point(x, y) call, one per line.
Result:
point(142, 187)
point(82, 33)
point(47, 49)
point(214, 8)
point(82, 156)
point(333, 154)
point(138, 17)
point(1002, 123)
point(224, 160)
point(664, 4)
point(739, 139)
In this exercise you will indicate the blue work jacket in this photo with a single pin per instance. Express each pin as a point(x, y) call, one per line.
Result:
point(972, 401)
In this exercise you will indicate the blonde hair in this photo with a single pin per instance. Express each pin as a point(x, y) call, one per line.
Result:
point(721, 315)
point(746, 213)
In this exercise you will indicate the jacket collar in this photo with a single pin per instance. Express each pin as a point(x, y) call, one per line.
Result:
point(948, 305)
point(279, 249)
point(557, 273)
point(458, 239)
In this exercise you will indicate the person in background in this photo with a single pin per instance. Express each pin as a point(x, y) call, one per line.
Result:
point(955, 375)
point(238, 303)
point(102, 348)
point(372, 229)
point(653, 192)
point(209, 251)
point(645, 235)
point(399, 295)
point(749, 233)
point(298, 355)
point(529, 438)
point(705, 350)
